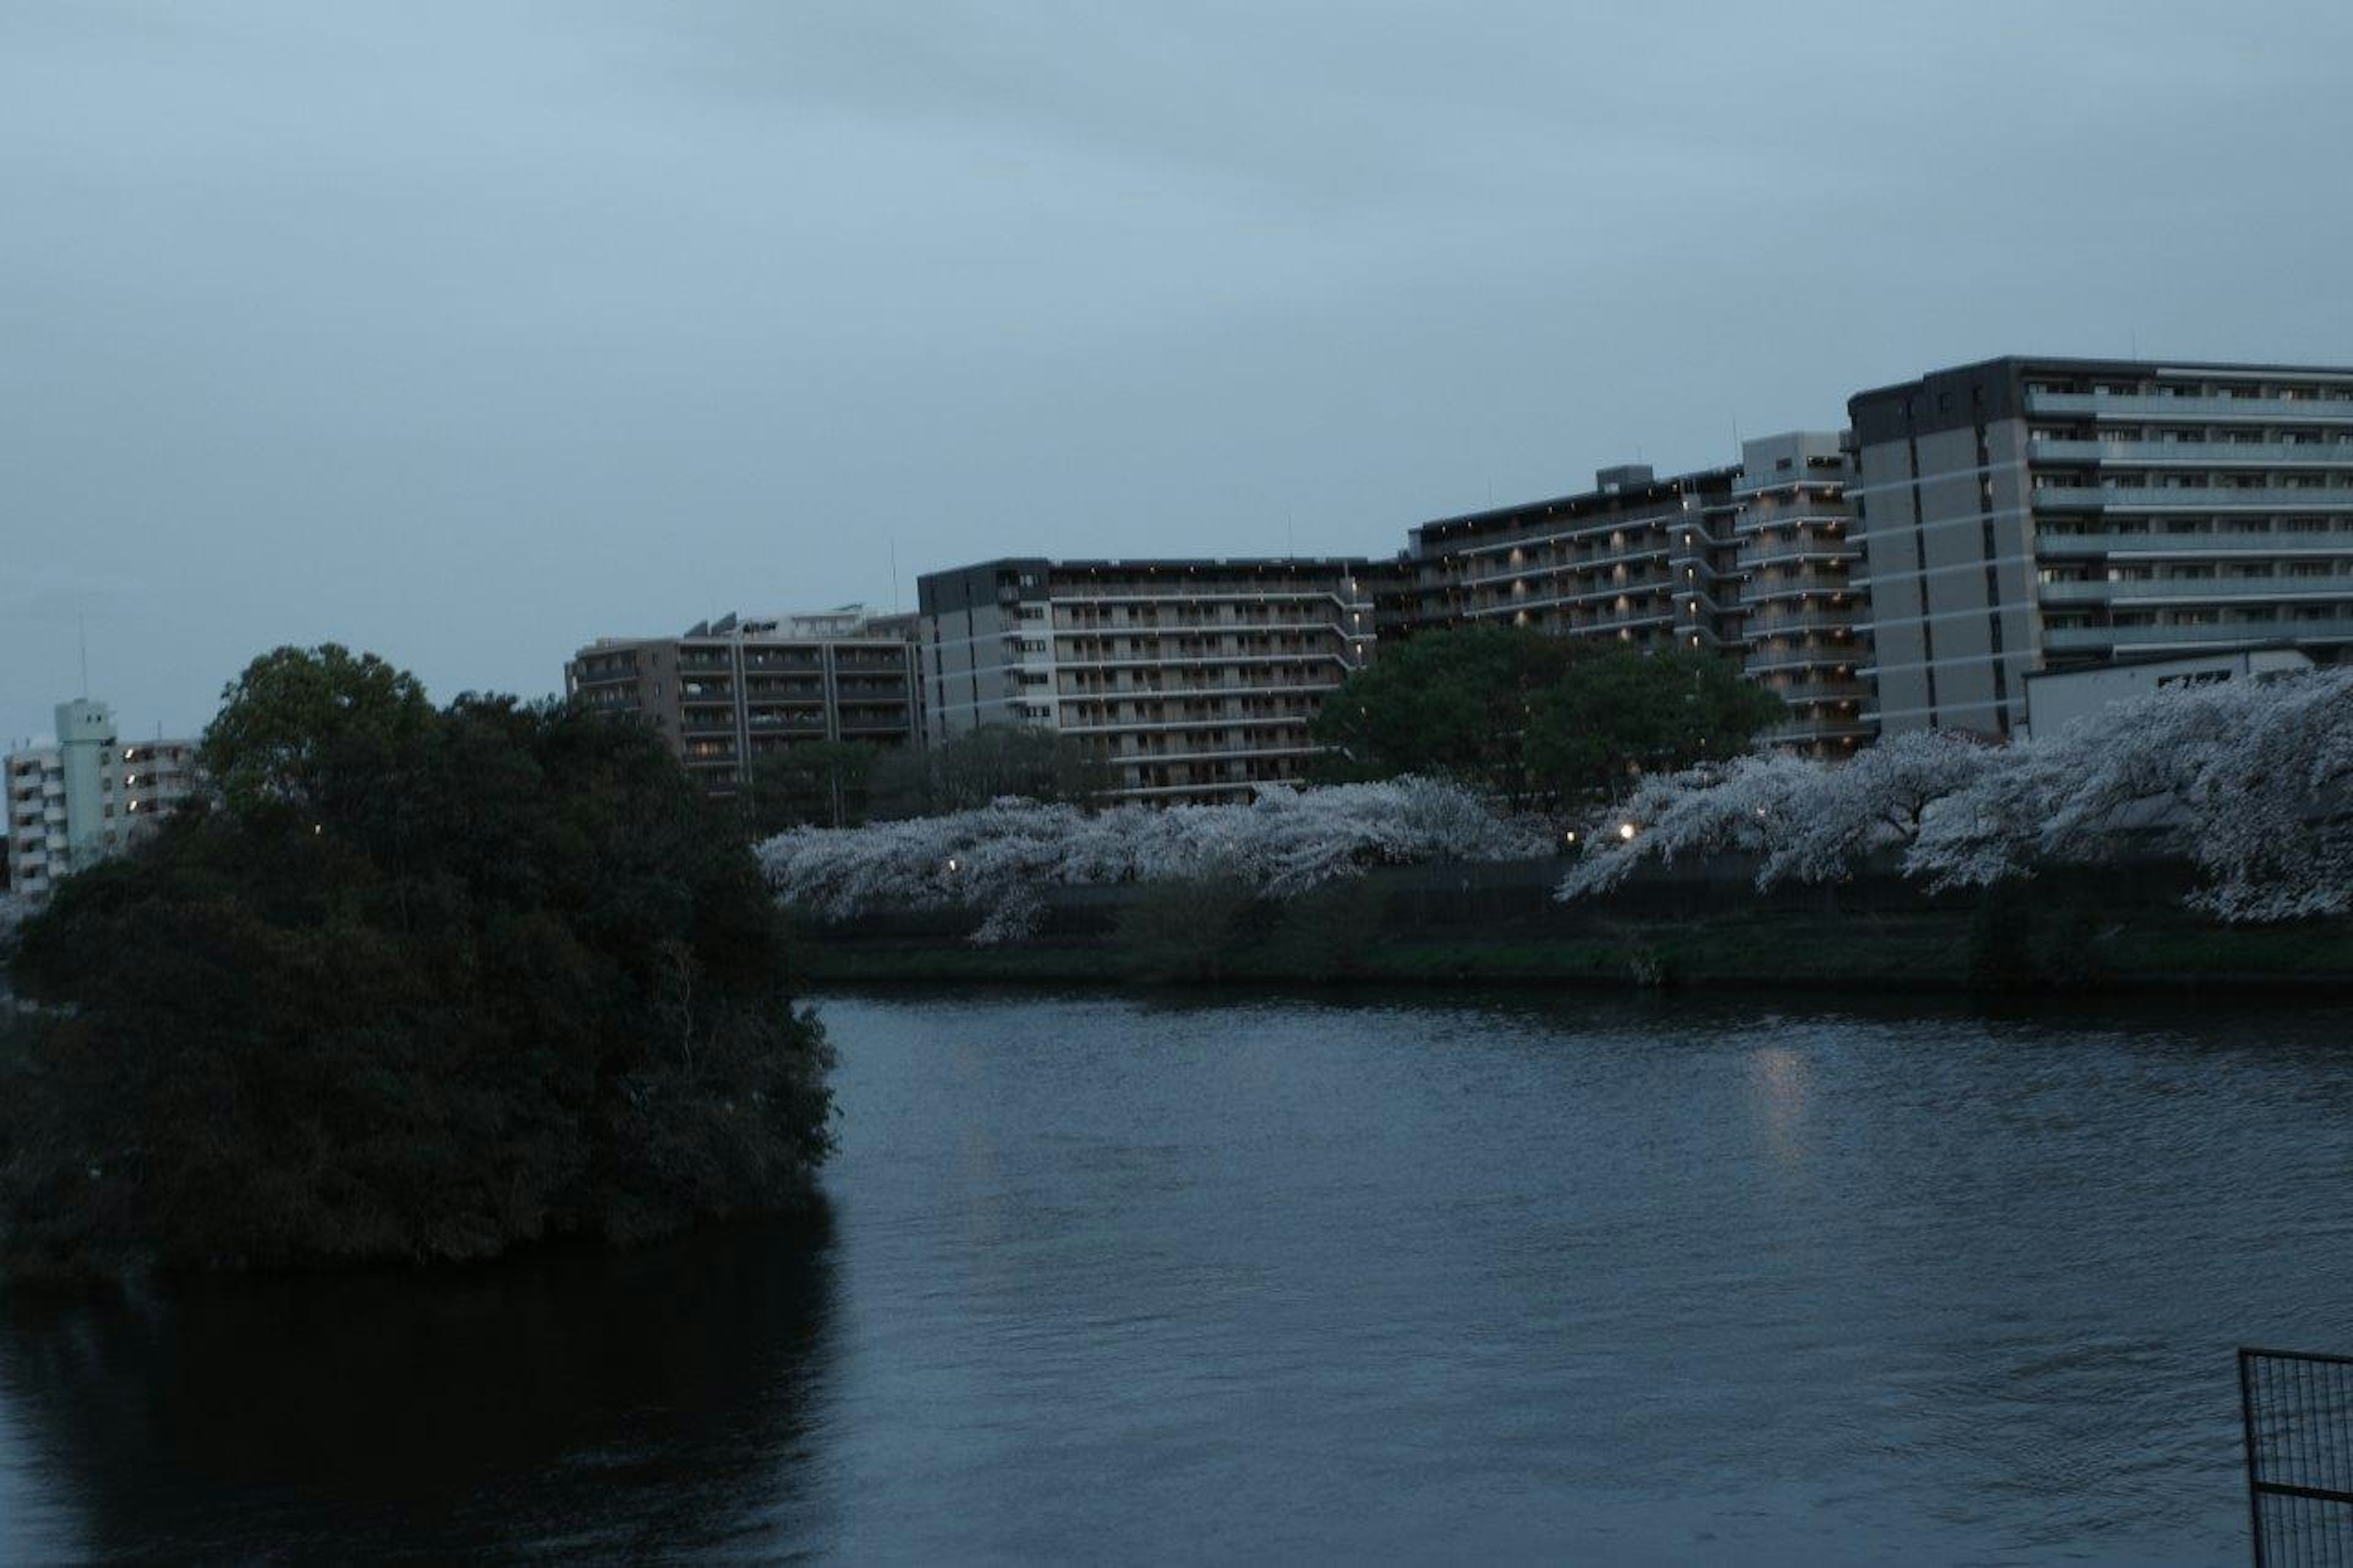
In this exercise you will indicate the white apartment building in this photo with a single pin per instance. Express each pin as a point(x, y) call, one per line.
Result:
point(84, 797)
point(1193, 680)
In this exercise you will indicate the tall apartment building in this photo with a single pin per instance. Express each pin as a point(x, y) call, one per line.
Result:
point(1641, 559)
point(86, 795)
point(1192, 680)
point(729, 692)
point(2025, 514)
point(1750, 562)
point(1793, 549)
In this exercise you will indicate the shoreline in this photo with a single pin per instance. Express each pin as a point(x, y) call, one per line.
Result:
point(1939, 952)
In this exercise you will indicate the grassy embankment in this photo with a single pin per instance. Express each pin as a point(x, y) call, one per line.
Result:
point(1997, 949)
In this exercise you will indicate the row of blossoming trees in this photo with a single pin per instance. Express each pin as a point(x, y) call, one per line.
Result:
point(2250, 781)
point(1002, 858)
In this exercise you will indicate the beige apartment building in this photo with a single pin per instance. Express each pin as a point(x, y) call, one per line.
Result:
point(1795, 555)
point(1191, 681)
point(729, 692)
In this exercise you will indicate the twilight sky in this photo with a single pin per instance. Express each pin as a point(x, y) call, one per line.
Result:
point(467, 331)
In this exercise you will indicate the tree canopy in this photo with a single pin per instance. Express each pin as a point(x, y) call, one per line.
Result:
point(417, 984)
point(991, 763)
point(1521, 713)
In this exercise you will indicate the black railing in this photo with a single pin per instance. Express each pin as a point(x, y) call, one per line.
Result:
point(2298, 1413)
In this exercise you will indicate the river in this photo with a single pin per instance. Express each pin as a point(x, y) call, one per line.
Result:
point(1605, 1280)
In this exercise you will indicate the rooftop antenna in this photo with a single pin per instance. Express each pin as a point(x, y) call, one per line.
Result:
point(83, 619)
point(1290, 538)
point(894, 573)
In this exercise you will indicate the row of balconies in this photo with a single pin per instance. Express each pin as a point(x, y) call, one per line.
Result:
point(2302, 409)
point(1781, 620)
point(2192, 497)
point(2312, 542)
point(2336, 626)
point(1110, 726)
point(2191, 590)
point(1080, 686)
point(2333, 453)
point(1195, 591)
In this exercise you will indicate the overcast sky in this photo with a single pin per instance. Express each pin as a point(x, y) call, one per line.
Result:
point(467, 333)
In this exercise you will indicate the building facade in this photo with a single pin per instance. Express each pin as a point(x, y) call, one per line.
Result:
point(2057, 698)
point(728, 693)
point(1795, 553)
point(1190, 680)
point(1640, 559)
point(86, 795)
point(2028, 514)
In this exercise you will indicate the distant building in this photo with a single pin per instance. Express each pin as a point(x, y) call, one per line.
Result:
point(1193, 680)
point(727, 693)
point(1749, 562)
point(2030, 514)
point(1639, 559)
point(86, 795)
point(2057, 698)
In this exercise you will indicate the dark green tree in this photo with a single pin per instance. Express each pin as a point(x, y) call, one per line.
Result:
point(1453, 704)
point(983, 764)
point(1526, 715)
point(828, 782)
point(418, 985)
point(1621, 712)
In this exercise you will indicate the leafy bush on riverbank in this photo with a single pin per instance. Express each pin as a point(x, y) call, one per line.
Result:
point(420, 984)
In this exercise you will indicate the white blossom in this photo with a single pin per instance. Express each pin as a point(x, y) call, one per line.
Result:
point(1001, 858)
point(1807, 821)
point(2250, 781)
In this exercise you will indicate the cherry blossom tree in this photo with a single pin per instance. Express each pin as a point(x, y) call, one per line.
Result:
point(2249, 781)
point(1003, 858)
point(1810, 822)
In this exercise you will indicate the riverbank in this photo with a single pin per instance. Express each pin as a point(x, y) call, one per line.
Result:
point(2053, 948)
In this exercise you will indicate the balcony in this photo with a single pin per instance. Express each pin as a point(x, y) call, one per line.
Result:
point(2203, 545)
point(2195, 590)
point(2196, 454)
point(1796, 692)
point(2199, 410)
point(2095, 639)
point(2193, 498)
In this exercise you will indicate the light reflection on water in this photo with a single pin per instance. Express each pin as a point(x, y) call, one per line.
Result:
point(1615, 1280)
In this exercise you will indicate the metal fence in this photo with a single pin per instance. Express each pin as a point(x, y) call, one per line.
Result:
point(2297, 1411)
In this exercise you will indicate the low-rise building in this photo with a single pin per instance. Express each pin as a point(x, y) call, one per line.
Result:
point(2057, 698)
point(727, 693)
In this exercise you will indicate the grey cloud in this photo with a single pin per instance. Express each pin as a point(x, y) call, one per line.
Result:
point(470, 331)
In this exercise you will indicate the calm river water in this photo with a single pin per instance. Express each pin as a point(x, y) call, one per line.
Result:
point(1583, 1279)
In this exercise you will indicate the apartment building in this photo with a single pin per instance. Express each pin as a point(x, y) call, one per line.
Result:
point(73, 802)
point(2025, 514)
point(1795, 555)
point(726, 693)
point(1644, 560)
point(1194, 680)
